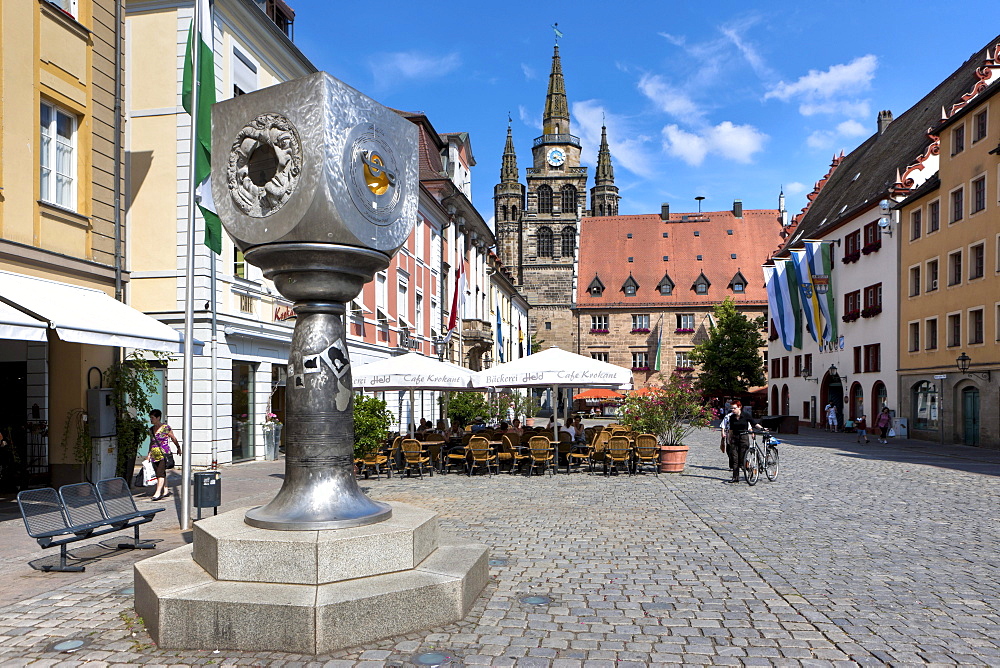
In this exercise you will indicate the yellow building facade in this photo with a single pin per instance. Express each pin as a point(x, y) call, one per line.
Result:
point(950, 288)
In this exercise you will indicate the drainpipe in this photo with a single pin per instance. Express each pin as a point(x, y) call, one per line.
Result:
point(117, 150)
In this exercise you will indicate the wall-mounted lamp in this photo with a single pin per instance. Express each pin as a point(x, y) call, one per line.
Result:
point(807, 375)
point(833, 372)
point(963, 363)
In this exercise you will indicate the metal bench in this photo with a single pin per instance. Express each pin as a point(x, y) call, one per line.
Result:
point(80, 511)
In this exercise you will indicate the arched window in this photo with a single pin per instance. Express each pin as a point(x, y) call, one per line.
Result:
point(880, 397)
point(568, 199)
point(775, 407)
point(568, 242)
point(513, 212)
point(857, 401)
point(600, 209)
point(924, 405)
point(545, 248)
point(544, 199)
point(786, 407)
point(503, 212)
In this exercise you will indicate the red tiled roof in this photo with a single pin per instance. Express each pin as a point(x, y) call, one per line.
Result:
point(605, 249)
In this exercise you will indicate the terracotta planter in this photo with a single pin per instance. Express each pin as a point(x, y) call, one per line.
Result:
point(672, 458)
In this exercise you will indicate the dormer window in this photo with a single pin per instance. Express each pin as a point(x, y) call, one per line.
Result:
point(666, 290)
point(666, 286)
point(738, 287)
point(630, 286)
point(701, 285)
point(596, 287)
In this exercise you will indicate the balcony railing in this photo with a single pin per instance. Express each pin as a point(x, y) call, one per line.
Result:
point(557, 139)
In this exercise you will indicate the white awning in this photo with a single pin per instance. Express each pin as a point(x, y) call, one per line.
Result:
point(84, 315)
point(17, 325)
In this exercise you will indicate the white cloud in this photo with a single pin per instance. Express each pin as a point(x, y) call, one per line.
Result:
point(668, 98)
point(529, 71)
point(528, 118)
point(852, 128)
point(390, 68)
point(832, 91)
point(632, 154)
point(733, 142)
point(848, 78)
point(734, 33)
point(676, 40)
point(825, 139)
point(794, 188)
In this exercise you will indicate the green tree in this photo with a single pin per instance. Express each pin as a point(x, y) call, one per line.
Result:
point(371, 424)
point(464, 407)
point(132, 382)
point(730, 358)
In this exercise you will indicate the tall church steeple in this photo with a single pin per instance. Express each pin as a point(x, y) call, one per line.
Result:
point(508, 202)
point(604, 195)
point(555, 121)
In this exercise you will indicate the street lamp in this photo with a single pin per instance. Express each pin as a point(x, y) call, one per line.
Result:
point(807, 375)
point(439, 347)
point(963, 363)
point(833, 372)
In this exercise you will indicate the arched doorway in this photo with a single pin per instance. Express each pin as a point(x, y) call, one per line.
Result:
point(832, 392)
point(786, 408)
point(880, 398)
point(775, 406)
point(857, 400)
point(970, 416)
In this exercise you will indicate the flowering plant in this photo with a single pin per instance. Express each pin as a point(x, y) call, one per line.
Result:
point(851, 257)
point(640, 368)
point(683, 330)
point(640, 330)
point(873, 247)
point(270, 419)
point(851, 316)
point(870, 311)
point(671, 412)
point(598, 331)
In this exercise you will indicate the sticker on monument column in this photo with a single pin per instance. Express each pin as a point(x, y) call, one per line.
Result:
point(334, 357)
point(264, 165)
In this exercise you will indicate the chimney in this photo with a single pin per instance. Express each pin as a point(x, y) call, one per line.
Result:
point(665, 212)
point(738, 208)
point(884, 118)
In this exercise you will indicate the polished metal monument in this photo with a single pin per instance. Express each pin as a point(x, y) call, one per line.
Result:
point(317, 185)
point(319, 191)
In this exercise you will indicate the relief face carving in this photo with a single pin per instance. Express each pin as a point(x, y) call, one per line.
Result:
point(264, 165)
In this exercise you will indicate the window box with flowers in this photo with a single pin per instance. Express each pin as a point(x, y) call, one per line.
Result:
point(685, 369)
point(598, 331)
point(870, 311)
point(873, 247)
point(851, 316)
point(640, 330)
point(683, 330)
point(851, 257)
point(640, 368)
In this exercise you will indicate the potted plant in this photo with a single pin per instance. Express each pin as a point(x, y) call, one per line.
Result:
point(527, 405)
point(272, 436)
point(371, 425)
point(671, 413)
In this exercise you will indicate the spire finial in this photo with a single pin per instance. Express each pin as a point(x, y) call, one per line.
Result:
point(557, 31)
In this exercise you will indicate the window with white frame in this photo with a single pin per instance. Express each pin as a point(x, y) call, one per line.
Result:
point(915, 280)
point(954, 329)
point(418, 239)
point(599, 323)
point(57, 156)
point(640, 360)
point(958, 140)
point(640, 321)
point(68, 6)
point(381, 297)
point(914, 328)
point(600, 357)
point(957, 204)
point(976, 325)
point(934, 216)
point(682, 359)
point(244, 73)
point(418, 313)
point(931, 334)
point(977, 260)
point(685, 321)
point(915, 224)
point(979, 194)
point(932, 275)
point(979, 126)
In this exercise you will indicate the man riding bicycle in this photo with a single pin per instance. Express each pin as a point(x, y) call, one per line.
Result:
point(735, 430)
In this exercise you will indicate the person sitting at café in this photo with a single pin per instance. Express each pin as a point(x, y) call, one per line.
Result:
point(504, 428)
point(478, 426)
point(569, 429)
point(515, 427)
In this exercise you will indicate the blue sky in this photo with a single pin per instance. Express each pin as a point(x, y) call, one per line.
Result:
point(721, 99)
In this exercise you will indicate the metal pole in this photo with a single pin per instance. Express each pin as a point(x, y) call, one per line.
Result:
point(188, 372)
point(215, 366)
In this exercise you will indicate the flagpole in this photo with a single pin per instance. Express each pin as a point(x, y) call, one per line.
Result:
point(188, 365)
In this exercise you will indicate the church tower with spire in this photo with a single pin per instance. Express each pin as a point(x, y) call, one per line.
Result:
point(540, 237)
point(604, 195)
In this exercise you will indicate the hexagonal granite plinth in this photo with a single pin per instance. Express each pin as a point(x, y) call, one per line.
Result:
point(185, 607)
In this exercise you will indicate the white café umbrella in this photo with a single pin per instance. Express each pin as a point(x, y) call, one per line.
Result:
point(411, 371)
point(554, 368)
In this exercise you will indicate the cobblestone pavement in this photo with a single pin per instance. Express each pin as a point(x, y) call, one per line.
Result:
point(856, 555)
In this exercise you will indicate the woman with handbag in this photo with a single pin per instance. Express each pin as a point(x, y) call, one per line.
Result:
point(160, 454)
point(884, 423)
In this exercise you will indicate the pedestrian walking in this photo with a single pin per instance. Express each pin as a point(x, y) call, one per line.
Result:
point(884, 424)
point(831, 417)
point(861, 425)
point(161, 436)
point(735, 431)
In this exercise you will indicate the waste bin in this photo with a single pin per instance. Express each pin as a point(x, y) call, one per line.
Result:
point(207, 490)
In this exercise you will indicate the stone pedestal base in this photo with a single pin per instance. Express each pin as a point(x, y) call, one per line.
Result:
point(307, 592)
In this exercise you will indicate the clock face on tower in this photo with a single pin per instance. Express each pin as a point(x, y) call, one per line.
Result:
point(556, 157)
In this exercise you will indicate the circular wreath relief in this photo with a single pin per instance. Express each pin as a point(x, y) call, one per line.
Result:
point(264, 165)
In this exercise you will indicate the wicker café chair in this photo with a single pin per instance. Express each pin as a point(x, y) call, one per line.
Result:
point(395, 454)
point(599, 450)
point(619, 453)
point(647, 451)
point(510, 453)
point(414, 456)
point(377, 462)
point(481, 455)
point(455, 457)
point(541, 454)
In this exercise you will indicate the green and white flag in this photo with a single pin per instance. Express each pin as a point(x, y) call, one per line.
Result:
point(659, 345)
point(202, 37)
point(820, 257)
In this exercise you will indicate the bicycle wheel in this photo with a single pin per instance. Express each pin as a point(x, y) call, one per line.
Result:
point(771, 463)
point(752, 467)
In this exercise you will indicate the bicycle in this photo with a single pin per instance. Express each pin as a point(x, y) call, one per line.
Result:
point(757, 459)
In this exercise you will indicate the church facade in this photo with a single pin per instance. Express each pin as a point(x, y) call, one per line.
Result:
point(538, 220)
